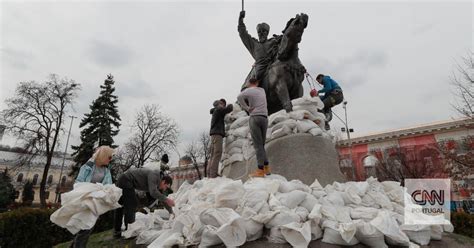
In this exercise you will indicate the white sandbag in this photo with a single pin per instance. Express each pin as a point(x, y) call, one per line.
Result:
point(277, 133)
point(291, 199)
point(310, 108)
point(297, 234)
point(335, 198)
point(167, 239)
point(241, 132)
point(229, 139)
point(339, 186)
point(299, 114)
point(148, 236)
point(277, 117)
point(332, 235)
point(275, 236)
point(292, 185)
point(290, 123)
point(247, 150)
point(234, 158)
point(318, 194)
point(230, 229)
point(316, 185)
point(369, 235)
point(315, 214)
point(448, 227)
point(390, 185)
point(239, 142)
point(253, 228)
point(242, 121)
point(336, 213)
point(364, 213)
point(390, 228)
point(360, 187)
point(142, 222)
point(230, 194)
point(209, 237)
point(374, 198)
point(234, 150)
point(254, 200)
point(436, 232)
point(317, 131)
point(302, 213)
point(258, 183)
point(304, 126)
point(420, 234)
point(306, 100)
point(316, 231)
point(82, 206)
point(309, 202)
point(350, 196)
point(283, 217)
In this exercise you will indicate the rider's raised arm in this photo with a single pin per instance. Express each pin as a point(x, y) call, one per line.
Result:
point(244, 34)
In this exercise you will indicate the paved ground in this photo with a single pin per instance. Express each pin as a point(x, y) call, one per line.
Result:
point(105, 240)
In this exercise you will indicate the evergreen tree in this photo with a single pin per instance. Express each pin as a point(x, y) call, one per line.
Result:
point(99, 126)
point(7, 191)
point(28, 194)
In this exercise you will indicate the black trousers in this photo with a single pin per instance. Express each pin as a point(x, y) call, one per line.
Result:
point(333, 99)
point(81, 238)
point(129, 203)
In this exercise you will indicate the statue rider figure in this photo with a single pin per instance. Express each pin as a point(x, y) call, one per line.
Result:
point(262, 50)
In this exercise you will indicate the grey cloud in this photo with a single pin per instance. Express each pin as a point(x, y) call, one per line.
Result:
point(109, 54)
point(16, 58)
point(423, 28)
point(136, 88)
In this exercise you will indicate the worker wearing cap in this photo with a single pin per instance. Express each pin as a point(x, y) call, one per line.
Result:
point(332, 93)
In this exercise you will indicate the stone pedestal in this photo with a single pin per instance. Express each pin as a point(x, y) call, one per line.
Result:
point(298, 156)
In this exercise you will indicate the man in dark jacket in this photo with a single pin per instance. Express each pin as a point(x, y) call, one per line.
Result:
point(151, 181)
point(217, 134)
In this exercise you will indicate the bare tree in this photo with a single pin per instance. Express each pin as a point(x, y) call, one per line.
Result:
point(35, 114)
point(154, 133)
point(199, 150)
point(205, 149)
point(193, 150)
point(463, 82)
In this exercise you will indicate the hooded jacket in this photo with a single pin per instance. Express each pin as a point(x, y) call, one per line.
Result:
point(217, 122)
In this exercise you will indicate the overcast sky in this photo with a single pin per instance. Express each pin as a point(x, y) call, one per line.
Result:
point(393, 60)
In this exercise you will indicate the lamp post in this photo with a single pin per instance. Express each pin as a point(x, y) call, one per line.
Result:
point(348, 131)
point(58, 191)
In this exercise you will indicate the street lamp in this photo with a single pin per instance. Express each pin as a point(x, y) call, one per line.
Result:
point(58, 192)
point(348, 131)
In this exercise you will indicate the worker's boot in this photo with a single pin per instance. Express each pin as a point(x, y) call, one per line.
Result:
point(266, 170)
point(257, 173)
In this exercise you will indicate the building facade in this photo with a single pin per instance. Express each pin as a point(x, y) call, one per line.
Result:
point(435, 150)
point(33, 172)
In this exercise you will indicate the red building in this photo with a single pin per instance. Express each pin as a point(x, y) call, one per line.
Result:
point(434, 150)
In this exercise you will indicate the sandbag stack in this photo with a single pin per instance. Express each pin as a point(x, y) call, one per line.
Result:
point(225, 211)
point(305, 118)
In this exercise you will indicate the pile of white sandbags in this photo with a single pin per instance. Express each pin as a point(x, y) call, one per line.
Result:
point(224, 211)
point(304, 118)
point(81, 207)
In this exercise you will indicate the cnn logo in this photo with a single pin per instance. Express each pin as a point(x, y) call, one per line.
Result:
point(425, 196)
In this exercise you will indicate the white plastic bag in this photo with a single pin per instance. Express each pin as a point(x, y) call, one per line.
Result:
point(297, 234)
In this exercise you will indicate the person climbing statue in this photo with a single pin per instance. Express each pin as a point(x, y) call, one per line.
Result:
point(332, 94)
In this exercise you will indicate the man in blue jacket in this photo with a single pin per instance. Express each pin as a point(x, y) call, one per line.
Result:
point(332, 94)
